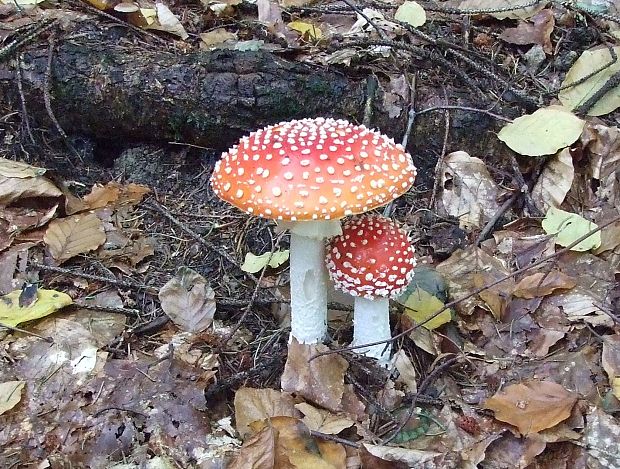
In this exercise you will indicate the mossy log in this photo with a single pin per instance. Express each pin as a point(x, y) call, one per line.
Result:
point(103, 90)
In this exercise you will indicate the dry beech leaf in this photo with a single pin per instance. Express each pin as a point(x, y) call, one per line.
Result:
point(469, 193)
point(320, 380)
point(397, 457)
point(536, 30)
point(188, 300)
point(77, 234)
point(14, 188)
point(285, 442)
point(543, 284)
point(532, 406)
point(10, 394)
point(252, 405)
point(496, 298)
point(115, 194)
point(610, 360)
point(554, 181)
point(322, 420)
point(17, 169)
point(603, 145)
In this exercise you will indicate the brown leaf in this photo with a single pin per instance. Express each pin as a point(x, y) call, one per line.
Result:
point(322, 420)
point(537, 30)
point(77, 234)
point(375, 456)
point(295, 446)
point(12, 189)
point(253, 405)
point(114, 194)
point(320, 380)
point(496, 297)
point(543, 284)
point(259, 452)
point(188, 300)
point(533, 405)
point(610, 360)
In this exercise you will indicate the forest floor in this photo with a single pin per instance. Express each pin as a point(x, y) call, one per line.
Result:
point(139, 329)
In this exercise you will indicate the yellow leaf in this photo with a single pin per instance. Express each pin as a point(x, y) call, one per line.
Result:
point(411, 13)
point(254, 263)
point(47, 302)
point(421, 305)
point(10, 394)
point(569, 227)
point(542, 133)
point(589, 61)
point(308, 31)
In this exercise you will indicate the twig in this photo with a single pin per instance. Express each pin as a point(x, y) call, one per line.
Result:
point(475, 292)
point(380, 32)
point(425, 383)
point(371, 90)
point(154, 205)
point(488, 228)
point(96, 278)
point(609, 85)
point(22, 98)
point(440, 160)
point(47, 98)
point(108, 309)
point(335, 439)
point(465, 108)
point(24, 331)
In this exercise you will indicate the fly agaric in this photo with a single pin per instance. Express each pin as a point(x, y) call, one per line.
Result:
point(308, 174)
point(373, 260)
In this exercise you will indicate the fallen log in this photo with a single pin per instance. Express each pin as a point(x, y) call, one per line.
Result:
point(105, 90)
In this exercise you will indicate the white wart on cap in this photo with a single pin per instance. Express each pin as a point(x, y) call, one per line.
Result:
point(372, 258)
point(313, 169)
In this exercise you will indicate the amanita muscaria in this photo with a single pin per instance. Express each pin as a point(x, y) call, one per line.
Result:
point(307, 174)
point(373, 260)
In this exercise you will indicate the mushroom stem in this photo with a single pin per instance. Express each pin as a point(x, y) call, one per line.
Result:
point(371, 323)
point(308, 289)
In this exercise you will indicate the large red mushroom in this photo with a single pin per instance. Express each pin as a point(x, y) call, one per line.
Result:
point(372, 260)
point(308, 174)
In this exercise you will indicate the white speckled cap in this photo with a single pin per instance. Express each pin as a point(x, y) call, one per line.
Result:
point(313, 169)
point(372, 258)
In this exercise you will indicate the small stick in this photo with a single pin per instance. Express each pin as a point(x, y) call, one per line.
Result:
point(156, 206)
point(24, 331)
point(96, 278)
point(441, 159)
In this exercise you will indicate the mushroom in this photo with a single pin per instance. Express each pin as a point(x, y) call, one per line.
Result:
point(308, 174)
point(373, 260)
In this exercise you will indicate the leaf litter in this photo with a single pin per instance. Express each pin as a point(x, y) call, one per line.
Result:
point(157, 360)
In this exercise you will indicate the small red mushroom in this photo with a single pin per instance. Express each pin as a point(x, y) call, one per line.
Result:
point(373, 260)
point(308, 174)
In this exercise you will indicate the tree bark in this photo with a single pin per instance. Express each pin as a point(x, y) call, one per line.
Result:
point(102, 90)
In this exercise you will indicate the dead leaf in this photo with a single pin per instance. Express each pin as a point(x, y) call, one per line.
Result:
point(188, 300)
point(536, 30)
point(10, 394)
point(468, 191)
point(610, 360)
point(321, 380)
point(217, 37)
point(532, 406)
point(497, 298)
point(397, 457)
point(254, 405)
point(77, 234)
point(543, 284)
point(17, 169)
point(322, 420)
point(554, 182)
point(168, 22)
point(288, 444)
point(600, 437)
point(12, 189)
point(460, 271)
point(603, 144)
point(406, 372)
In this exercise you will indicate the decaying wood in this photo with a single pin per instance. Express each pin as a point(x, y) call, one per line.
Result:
point(103, 90)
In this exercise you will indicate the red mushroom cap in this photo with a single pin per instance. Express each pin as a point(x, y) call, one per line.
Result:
point(313, 169)
point(373, 257)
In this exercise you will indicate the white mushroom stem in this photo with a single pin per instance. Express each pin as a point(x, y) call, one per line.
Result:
point(371, 323)
point(309, 279)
